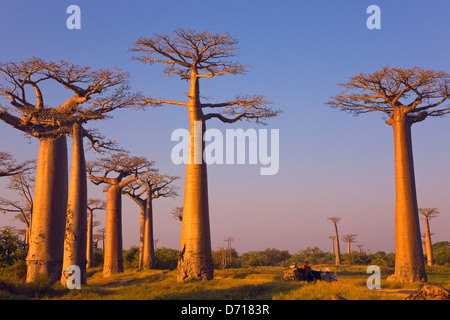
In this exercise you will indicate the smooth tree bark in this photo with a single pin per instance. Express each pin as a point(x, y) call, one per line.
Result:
point(76, 218)
point(335, 221)
point(428, 214)
point(405, 96)
point(92, 205)
point(349, 238)
point(45, 252)
point(193, 55)
point(122, 166)
point(153, 185)
point(51, 125)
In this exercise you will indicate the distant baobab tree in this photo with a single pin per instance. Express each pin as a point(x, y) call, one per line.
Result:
point(428, 214)
point(405, 97)
point(9, 165)
point(332, 238)
point(100, 172)
point(177, 213)
point(192, 56)
point(359, 246)
point(335, 221)
point(153, 185)
point(86, 101)
point(228, 240)
point(92, 205)
point(22, 184)
point(349, 238)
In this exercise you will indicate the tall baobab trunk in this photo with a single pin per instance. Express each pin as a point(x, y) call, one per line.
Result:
point(113, 259)
point(141, 235)
point(45, 252)
point(409, 264)
point(429, 248)
point(89, 243)
point(338, 249)
point(76, 236)
point(149, 250)
point(195, 260)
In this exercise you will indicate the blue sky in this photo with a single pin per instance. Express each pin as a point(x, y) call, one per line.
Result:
point(331, 163)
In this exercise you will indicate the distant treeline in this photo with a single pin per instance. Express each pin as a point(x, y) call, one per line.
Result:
point(13, 251)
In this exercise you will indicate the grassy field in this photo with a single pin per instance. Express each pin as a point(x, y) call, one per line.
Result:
point(260, 283)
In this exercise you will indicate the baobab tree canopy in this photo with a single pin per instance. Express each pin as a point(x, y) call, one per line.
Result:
point(192, 55)
point(415, 92)
point(87, 99)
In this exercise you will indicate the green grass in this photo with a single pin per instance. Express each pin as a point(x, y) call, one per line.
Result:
point(260, 283)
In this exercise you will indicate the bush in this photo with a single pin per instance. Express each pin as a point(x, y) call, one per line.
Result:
point(12, 248)
point(268, 257)
point(441, 253)
point(166, 258)
point(131, 258)
point(312, 255)
point(16, 273)
point(98, 257)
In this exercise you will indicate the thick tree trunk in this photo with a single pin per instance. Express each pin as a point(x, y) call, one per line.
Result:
point(338, 248)
point(113, 259)
point(141, 236)
point(90, 244)
point(348, 247)
point(76, 228)
point(409, 264)
point(45, 253)
point(149, 250)
point(429, 248)
point(195, 260)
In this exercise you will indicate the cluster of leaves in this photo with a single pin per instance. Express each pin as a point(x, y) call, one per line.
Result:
point(12, 248)
point(268, 257)
point(164, 258)
point(441, 253)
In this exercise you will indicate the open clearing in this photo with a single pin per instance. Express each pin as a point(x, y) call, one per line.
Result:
point(258, 283)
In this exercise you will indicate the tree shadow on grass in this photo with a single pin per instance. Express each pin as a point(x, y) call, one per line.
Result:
point(264, 291)
point(122, 283)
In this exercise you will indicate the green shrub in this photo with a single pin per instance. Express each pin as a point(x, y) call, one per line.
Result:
point(166, 258)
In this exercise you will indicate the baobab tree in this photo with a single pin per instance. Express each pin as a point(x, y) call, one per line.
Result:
point(87, 101)
point(405, 97)
point(153, 185)
point(177, 213)
point(228, 240)
point(349, 238)
point(428, 214)
point(335, 221)
point(92, 205)
point(9, 165)
point(123, 166)
point(23, 185)
point(359, 246)
point(192, 56)
point(332, 238)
